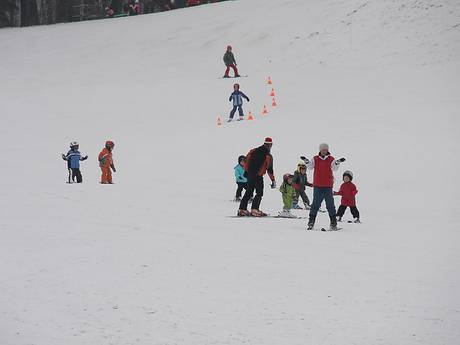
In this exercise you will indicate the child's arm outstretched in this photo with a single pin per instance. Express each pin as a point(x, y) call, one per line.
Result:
point(247, 98)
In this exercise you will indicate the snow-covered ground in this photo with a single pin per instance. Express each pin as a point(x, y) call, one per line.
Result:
point(154, 259)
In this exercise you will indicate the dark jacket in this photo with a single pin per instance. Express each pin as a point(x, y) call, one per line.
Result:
point(299, 181)
point(229, 59)
point(258, 162)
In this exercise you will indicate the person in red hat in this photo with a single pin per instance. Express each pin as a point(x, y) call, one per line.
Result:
point(230, 62)
point(106, 162)
point(258, 162)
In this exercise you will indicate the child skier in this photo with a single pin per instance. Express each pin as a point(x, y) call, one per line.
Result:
point(299, 182)
point(348, 192)
point(230, 62)
point(237, 98)
point(241, 181)
point(106, 162)
point(73, 158)
point(288, 192)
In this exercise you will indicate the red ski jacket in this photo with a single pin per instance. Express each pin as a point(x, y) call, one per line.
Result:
point(323, 176)
point(347, 191)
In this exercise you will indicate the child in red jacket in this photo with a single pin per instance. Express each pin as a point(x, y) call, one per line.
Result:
point(347, 191)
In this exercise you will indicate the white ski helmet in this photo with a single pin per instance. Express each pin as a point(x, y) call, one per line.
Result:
point(73, 144)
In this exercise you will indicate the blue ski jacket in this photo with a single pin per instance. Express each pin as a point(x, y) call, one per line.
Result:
point(239, 174)
point(74, 157)
point(237, 98)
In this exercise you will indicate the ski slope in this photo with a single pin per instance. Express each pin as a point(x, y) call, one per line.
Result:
point(154, 258)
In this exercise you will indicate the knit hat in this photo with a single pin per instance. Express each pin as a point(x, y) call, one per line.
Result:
point(268, 141)
point(349, 174)
point(323, 146)
point(241, 158)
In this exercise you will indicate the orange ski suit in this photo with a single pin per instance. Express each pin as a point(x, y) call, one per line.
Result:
point(106, 162)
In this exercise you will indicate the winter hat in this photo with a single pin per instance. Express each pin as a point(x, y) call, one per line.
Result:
point(323, 146)
point(268, 141)
point(349, 174)
point(109, 144)
point(240, 158)
point(287, 176)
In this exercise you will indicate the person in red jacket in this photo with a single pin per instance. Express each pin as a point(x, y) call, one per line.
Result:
point(258, 162)
point(348, 192)
point(106, 162)
point(323, 181)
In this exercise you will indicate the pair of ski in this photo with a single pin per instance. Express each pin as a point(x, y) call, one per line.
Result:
point(240, 76)
point(268, 216)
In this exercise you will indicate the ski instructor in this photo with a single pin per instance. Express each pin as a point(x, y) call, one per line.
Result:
point(323, 181)
point(258, 162)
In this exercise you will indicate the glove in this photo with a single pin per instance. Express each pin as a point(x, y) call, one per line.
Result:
point(305, 159)
point(245, 174)
point(63, 157)
point(273, 185)
point(84, 158)
point(247, 99)
point(340, 160)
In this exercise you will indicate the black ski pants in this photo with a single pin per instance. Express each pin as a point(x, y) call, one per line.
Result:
point(353, 209)
point(303, 195)
point(76, 174)
point(239, 190)
point(254, 184)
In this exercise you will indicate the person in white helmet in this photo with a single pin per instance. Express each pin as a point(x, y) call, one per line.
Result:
point(323, 165)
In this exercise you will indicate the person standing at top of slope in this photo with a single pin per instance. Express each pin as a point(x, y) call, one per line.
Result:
point(106, 162)
point(258, 162)
point(323, 181)
point(237, 100)
point(73, 158)
point(230, 62)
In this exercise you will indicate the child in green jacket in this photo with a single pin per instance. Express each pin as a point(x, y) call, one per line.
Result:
point(288, 193)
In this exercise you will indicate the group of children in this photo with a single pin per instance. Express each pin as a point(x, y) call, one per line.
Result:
point(294, 186)
point(105, 158)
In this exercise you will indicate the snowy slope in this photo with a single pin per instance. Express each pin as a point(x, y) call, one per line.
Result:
point(154, 259)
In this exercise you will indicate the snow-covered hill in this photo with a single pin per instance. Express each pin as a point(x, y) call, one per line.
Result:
point(154, 259)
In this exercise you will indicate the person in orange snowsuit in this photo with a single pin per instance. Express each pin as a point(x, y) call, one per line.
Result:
point(106, 162)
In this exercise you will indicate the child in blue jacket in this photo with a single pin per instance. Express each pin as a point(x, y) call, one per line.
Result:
point(241, 181)
point(237, 98)
point(73, 158)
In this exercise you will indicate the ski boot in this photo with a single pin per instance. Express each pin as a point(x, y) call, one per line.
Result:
point(286, 214)
point(229, 120)
point(339, 219)
point(226, 76)
point(356, 220)
point(243, 213)
point(241, 118)
point(310, 226)
point(237, 76)
point(296, 207)
point(257, 213)
point(333, 226)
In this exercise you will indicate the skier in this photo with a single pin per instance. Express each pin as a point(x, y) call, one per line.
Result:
point(237, 98)
point(299, 182)
point(347, 191)
point(106, 162)
point(230, 62)
point(73, 158)
point(241, 181)
point(323, 181)
point(258, 162)
point(288, 192)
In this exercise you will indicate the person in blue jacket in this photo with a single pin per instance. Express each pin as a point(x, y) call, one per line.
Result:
point(241, 181)
point(237, 98)
point(73, 158)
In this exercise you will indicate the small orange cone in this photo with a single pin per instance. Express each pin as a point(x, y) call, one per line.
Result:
point(219, 122)
point(274, 102)
point(272, 94)
point(269, 82)
point(265, 111)
point(250, 117)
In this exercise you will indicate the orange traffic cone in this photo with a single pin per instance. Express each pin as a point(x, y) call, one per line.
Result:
point(250, 117)
point(219, 122)
point(274, 102)
point(272, 94)
point(265, 111)
point(269, 82)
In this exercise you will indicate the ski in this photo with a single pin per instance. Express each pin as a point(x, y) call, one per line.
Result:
point(241, 76)
point(323, 229)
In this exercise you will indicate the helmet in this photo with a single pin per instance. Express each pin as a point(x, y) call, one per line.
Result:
point(349, 174)
point(73, 144)
point(301, 165)
point(287, 176)
point(109, 144)
point(229, 47)
point(240, 158)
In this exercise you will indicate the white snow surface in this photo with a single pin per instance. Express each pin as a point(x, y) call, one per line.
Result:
point(154, 259)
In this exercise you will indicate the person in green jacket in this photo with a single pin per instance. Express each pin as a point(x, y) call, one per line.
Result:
point(288, 193)
point(230, 62)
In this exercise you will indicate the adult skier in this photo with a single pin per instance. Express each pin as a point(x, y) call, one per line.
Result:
point(106, 162)
point(323, 180)
point(73, 158)
point(230, 62)
point(258, 162)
